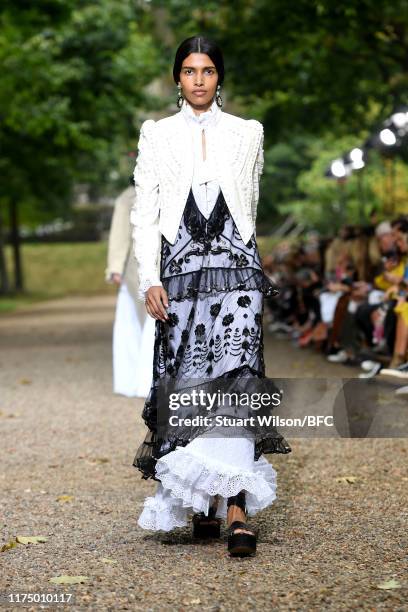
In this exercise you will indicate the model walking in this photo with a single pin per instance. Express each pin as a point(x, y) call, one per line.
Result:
point(197, 185)
point(133, 329)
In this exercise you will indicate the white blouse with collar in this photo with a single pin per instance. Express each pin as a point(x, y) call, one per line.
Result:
point(204, 184)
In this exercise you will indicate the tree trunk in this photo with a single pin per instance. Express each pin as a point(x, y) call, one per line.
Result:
point(15, 244)
point(4, 281)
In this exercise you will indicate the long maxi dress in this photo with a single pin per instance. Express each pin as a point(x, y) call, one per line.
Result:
point(215, 286)
point(133, 328)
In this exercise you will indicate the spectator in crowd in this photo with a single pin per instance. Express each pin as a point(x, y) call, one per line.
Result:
point(346, 295)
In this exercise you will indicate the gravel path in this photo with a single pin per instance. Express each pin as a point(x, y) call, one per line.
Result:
point(325, 544)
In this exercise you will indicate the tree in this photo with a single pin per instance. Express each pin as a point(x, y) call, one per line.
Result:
point(72, 78)
point(308, 69)
point(309, 65)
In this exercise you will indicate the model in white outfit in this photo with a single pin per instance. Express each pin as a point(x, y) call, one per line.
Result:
point(133, 330)
point(191, 476)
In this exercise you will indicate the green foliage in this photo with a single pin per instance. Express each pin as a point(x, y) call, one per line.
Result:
point(317, 64)
point(71, 81)
point(326, 204)
point(73, 77)
point(283, 163)
point(314, 72)
point(309, 65)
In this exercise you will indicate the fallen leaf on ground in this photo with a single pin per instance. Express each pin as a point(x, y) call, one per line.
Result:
point(10, 415)
point(106, 560)
point(65, 498)
point(30, 539)
point(349, 479)
point(9, 545)
point(68, 579)
point(389, 584)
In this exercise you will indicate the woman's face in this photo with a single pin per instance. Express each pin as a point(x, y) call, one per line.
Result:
point(198, 79)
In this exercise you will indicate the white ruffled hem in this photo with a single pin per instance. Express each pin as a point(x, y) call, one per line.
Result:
point(189, 481)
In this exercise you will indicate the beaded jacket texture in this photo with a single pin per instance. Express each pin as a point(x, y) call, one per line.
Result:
point(163, 176)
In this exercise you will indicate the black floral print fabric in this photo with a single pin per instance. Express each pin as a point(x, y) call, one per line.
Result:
point(215, 285)
point(210, 257)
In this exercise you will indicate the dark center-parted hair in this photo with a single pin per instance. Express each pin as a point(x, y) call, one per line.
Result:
point(199, 44)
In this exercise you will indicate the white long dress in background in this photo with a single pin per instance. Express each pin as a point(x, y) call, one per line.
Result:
point(133, 329)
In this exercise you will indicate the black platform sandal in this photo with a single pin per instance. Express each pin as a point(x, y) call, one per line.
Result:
point(204, 526)
point(241, 544)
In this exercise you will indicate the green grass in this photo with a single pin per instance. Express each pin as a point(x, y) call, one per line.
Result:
point(58, 270)
point(63, 269)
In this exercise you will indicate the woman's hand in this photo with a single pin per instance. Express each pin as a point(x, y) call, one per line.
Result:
point(156, 302)
point(116, 278)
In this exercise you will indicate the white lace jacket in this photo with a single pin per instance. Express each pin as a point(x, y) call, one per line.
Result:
point(163, 178)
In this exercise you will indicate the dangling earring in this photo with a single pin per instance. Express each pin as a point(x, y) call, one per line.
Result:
point(179, 97)
point(218, 98)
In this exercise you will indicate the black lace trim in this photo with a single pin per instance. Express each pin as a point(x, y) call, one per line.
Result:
point(201, 229)
point(272, 444)
point(215, 280)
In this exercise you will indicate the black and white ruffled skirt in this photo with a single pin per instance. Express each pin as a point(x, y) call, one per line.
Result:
point(215, 285)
